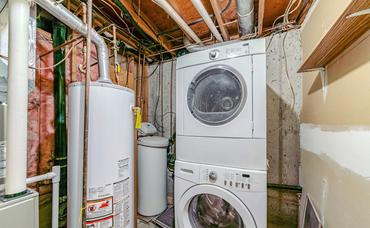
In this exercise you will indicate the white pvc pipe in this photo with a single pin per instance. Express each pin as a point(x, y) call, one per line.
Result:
point(55, 177)
point(207, 19)
point(178, 19)
point(43, 177)
point(16, 154)
point(55, 201)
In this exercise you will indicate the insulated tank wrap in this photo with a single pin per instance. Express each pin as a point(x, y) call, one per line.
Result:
point(110, 182)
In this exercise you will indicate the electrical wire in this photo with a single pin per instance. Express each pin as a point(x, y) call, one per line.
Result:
point(2, 9)
point(287, 74)
point(119, 16)
point(50, 67)
point(47, 67)
point(152, 73)
point(288, 12)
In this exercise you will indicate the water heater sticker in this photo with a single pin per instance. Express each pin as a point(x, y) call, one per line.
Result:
point(101, 223)
point(118, 192)
point(121, 203)
point(123, 168)
point(99, 208)
point(99, 192)
point(126, 211)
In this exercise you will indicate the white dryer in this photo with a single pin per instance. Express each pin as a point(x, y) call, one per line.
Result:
point(214, 196)
point(221, 105)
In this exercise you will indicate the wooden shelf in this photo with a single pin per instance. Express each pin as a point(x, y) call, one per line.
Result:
point(343, 33)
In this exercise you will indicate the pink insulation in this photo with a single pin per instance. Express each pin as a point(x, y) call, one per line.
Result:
point(41, 106)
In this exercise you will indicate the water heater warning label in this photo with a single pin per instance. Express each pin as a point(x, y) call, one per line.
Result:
point(99, 208)
point(101, 223)
point(121, 203)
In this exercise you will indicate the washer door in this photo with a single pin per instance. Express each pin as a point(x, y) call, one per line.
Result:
point(216, 95)
point(207, 206)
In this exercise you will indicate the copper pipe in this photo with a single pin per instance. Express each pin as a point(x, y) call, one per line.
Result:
point(60, 46)
point(161, 89)
point(86, 113)
point(142, 78)
point(115, 52)
point(137, 78)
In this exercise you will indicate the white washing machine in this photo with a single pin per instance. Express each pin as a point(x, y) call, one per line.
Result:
point(214, 196)
point(221, 105)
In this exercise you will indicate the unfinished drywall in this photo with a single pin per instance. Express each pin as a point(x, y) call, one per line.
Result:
point(335, 127)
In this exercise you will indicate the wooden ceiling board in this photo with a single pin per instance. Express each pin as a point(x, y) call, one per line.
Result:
point(276, 8)
point(156, 14)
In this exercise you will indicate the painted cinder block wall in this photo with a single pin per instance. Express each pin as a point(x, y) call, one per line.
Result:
point(335, 128)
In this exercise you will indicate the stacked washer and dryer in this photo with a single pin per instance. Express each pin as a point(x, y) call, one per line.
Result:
point(220, 171)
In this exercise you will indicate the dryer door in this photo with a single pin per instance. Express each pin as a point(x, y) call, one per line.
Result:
point(215, 99)
point(205, 206)
point(216, 95)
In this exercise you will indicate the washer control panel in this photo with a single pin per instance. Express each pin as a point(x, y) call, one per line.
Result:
point(237, 180)
point(233, 179)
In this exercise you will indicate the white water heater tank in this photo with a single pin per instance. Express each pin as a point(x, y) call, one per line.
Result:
point(110, 169)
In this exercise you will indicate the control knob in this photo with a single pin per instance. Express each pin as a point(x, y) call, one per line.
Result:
point(214, 54)
point(212, 176)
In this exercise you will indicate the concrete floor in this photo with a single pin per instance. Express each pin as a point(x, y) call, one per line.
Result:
point(142, 224)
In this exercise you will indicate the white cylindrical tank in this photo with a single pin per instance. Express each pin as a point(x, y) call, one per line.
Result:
point(152, 175)
point(110, 175)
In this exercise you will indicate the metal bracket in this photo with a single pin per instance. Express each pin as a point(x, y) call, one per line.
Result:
point(324, 82)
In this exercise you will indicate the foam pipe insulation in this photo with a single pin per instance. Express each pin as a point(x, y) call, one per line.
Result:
point(207, 19)
point(178, 19)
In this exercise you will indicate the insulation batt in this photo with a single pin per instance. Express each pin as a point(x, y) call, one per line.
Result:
point(41, 108)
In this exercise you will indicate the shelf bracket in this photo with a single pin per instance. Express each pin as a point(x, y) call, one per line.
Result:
point(324, 82)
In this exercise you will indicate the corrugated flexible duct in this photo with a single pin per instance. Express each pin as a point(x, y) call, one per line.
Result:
point(246, 16)
point(72, 21)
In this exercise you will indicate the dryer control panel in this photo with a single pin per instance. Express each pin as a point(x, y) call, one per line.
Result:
point(233, 179)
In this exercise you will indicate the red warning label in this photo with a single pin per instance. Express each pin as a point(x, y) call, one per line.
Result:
point(99, 208)
point(101, 223)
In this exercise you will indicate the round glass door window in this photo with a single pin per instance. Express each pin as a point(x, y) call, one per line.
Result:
point(216, 95)
point(210, 211)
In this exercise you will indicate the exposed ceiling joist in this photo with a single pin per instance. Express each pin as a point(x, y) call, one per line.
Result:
point(220, 21)
point(144, 25)
point(261, 15)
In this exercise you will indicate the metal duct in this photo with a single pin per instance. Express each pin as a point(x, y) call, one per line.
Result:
point(72, 21)
point(195, 48)
point(246, 15)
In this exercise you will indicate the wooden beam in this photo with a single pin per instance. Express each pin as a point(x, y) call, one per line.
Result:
point(261, 15)
point(144, 25)
point(340, 36)
point(220, 20)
